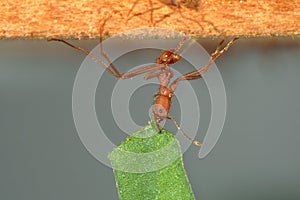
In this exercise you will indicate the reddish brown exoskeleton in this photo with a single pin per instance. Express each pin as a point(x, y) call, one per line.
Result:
point(163, 72)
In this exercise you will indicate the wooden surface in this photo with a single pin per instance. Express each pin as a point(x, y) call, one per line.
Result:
point(81, 18)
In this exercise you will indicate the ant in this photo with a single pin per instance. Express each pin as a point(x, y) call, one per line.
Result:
point(160, 70)
point(190, 4)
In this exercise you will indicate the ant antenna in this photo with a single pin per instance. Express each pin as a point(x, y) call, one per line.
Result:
point(187, 47)
point(180, 44)
point(195, 142)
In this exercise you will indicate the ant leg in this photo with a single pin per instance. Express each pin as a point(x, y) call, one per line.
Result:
point(119, 75)
point(180, 44)
point(195, 142)
point(113, 71)
point(87, 53)
point(201, 71)
point(142, 70)
point(126, 75)
point(215, 55)
point(194, 77)
point(129, 74)
point(218, 53)
point(152, 74)
point(101, 29)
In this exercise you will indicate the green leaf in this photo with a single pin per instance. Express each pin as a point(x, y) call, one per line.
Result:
point(148, 165)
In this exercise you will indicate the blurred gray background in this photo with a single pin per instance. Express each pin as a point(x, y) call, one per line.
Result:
point(257, 156)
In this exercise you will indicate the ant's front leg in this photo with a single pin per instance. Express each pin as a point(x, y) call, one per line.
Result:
point(111, 67)
point(213, 57)
point(114, 70)
point(130, 74)
point(201, 71)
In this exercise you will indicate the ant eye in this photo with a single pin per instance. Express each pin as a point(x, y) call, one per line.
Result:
point(160, 110)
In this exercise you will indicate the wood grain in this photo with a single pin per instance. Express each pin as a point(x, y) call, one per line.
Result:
point(81, 18)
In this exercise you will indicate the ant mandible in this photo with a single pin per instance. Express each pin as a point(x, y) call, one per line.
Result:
point(162, 71)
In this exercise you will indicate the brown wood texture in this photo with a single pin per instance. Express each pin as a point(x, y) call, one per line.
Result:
point(81, 18)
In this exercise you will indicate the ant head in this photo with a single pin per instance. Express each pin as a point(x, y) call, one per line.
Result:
point(168, 57)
